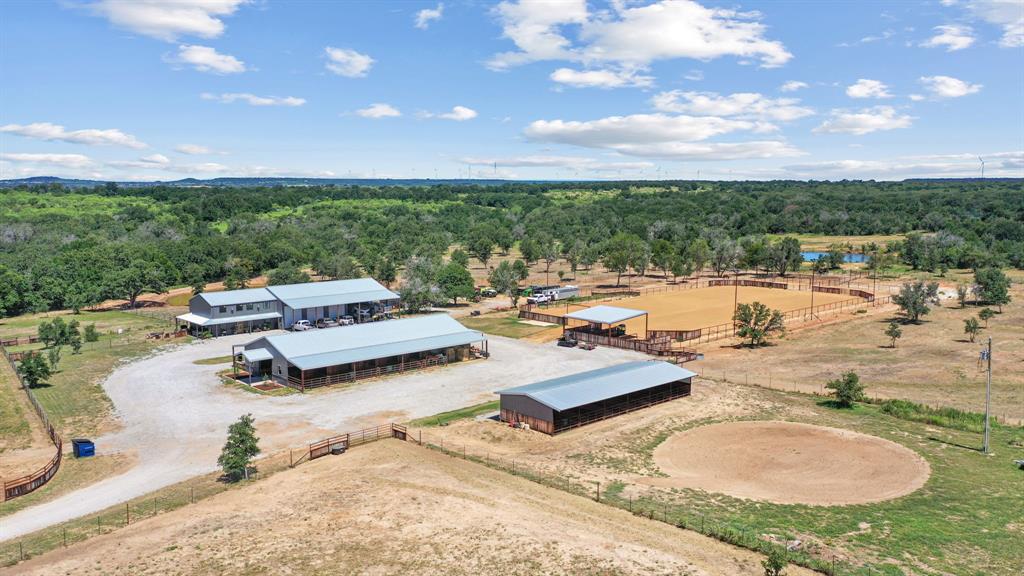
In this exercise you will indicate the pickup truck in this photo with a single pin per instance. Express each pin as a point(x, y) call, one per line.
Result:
point(326, 323)
point(301, 325)
point(538, 299)
point(346, 320)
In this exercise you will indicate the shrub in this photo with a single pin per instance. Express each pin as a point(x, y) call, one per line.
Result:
point(91, 333)
point(847, 389)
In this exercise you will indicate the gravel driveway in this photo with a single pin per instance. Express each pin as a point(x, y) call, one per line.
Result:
point(175, 413)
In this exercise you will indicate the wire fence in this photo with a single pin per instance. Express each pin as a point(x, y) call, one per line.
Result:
point(653, 505)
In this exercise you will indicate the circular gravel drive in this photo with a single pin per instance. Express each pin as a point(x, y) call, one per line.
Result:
point(790, 463)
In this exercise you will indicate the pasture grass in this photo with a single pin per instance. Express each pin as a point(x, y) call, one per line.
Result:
point(502, 324)
point(445, 418)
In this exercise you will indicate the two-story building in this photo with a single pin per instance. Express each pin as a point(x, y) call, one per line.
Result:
point(274, 307)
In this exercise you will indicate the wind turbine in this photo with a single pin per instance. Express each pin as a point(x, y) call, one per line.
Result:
point(982, 160)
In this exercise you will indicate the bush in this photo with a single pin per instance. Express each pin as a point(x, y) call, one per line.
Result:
point(91, 333)
point(945, 417)
point(776, 562)
point(848, 389)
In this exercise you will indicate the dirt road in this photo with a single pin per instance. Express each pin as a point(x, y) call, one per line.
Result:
point(174, 413)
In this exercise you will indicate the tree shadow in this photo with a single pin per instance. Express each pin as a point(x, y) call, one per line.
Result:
point(41, 385)
point(833, 404)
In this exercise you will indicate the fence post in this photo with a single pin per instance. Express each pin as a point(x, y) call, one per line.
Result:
point(597, 492)
point(127, 514)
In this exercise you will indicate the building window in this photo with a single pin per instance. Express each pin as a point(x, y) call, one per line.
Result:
point(248, 306)
point(223, 309)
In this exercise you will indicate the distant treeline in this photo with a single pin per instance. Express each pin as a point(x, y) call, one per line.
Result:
point(69, 248)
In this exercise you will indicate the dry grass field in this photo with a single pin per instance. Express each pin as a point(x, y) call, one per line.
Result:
point(933, 363)
point(897, 483)
point(395, 508)
point(700, 307)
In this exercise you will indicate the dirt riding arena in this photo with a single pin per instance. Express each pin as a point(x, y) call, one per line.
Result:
point(700, 307)
point(789, 463)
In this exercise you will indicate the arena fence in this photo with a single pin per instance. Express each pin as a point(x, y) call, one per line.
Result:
point(33, 481)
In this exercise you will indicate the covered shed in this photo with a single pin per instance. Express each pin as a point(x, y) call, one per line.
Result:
point(603, 320)
point(330, 356)
point(564, 403)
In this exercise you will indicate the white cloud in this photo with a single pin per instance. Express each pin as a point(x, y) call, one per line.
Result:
point(1007, 14)
point(865, 88)
point(458, 113)
point(254, 100)
point(207, 59)
point(90, 136)
point(864, 121)
point(575, 162)
point(427, 15)
point(158, 161)
point(694, 75)
point(951, 37)
point(916, 97)
point(660, 136)
point(192, 149)
point(793, 86)
point(632, 36)
point(601, 78)
point(349, 63)
point(746, 105)
point(948, 87)
point(1004, 164)
point(62, 160)
point(167, 20)
point(379, 110)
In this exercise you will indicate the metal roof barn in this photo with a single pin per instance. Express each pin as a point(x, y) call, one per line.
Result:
point(567, 402)
point(313, 294)
point(605, 314)
point(229, 297)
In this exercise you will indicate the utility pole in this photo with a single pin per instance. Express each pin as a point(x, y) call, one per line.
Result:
point(987, 355)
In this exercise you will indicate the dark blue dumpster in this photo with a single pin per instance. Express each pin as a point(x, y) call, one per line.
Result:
point(83, 448)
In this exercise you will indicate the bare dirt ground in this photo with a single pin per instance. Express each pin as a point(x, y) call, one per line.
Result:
point(933, 363)
point(174, 413)
point(700, 307)
point(789, 463)
point(395, 508)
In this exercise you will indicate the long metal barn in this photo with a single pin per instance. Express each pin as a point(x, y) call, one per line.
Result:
point(334, 355)
point(561, 404)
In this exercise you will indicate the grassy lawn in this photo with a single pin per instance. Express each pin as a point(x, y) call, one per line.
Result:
point(502, 324)
point(74, 473)
point(446, 417)
point(15, 431)
point(73, 397)
point(967, 519)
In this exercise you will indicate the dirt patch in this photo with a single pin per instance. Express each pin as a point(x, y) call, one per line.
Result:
point(789, 463)
point(395, 508)
point(700, 307)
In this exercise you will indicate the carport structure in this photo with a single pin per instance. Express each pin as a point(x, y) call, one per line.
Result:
point(603, 321)
point(561, 404)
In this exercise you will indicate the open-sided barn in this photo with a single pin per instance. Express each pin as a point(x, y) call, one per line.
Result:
point(560, 404)
point(322, 357)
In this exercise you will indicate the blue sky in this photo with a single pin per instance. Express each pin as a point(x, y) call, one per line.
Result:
point(557, 89)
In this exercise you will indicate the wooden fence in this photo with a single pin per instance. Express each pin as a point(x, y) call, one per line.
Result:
point(343, 442)
point(33, 481)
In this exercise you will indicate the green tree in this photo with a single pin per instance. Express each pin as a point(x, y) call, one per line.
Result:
point(241, 447)
point(505, 280)
point(985, 314)
point(420, 288)
point(530, 250)
point(76, 342)
point(91, 334)
point(756, 321)
point(894, 332)
point(455, 282)
point(521, 270)
point(622, 252)
point(388, 272)
point(993, 286)
point(914, 299)
point(53, 357)
point(663, 256)
point(549, 252)
point(460, 257)
point(725, 255)
point(136, 277)
point(972, 327)
point(961, 294)
point(481, 245)
point(699, 254)
point(194, 277)
point(33, 369)
point(13, 290)
point(784, 255)
point(287, 273)
point(775, 562)
point(847, 389)
point(46, 333)
point(681, 266)
point(574, 255)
